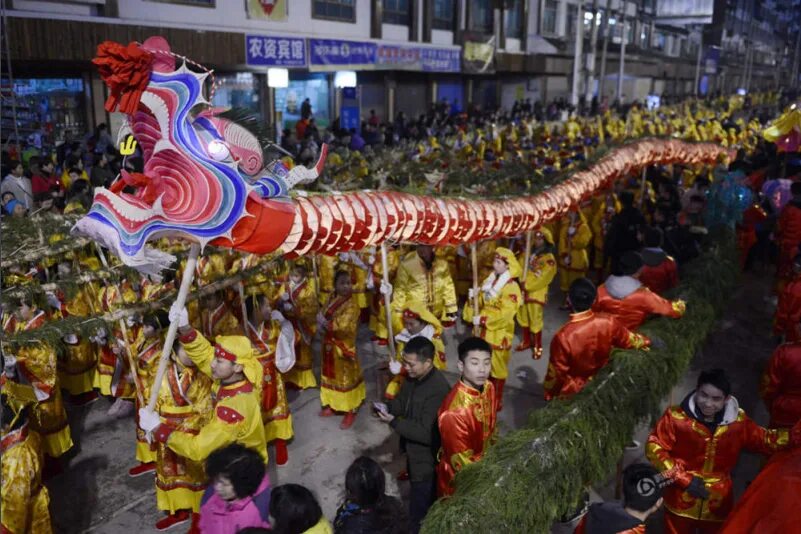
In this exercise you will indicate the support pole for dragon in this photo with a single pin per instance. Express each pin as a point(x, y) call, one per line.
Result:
point(474, 260)
point(387, 302)
point(180, 301)
point(527, 257)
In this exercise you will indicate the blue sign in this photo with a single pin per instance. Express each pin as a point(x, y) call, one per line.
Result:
point(349, 118)
point(441, 59)
point(341, 53)
point(400, 57)
point(271, 51)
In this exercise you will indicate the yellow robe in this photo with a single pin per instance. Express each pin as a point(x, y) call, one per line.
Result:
point(274, 406)
point(378, 314)
point(236, 417)
point(25, 500)
point(148, 353)
point(77, 369)
point(541, 272)
point(573, 258)
point(497, 325)
point(303, 315)
point(342, 384)
point(433, 287)
point(184, 402)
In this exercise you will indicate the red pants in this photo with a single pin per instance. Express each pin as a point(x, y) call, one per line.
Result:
point(676, 524)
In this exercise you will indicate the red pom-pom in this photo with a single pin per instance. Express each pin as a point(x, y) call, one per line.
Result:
point(126, 72)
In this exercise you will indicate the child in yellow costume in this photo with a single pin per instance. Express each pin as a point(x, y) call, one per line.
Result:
point(541, 271)
point(498, 301)
point(184, 402)
point(147, 352)
point(342, 384)
point(299, 304)
point(25, 499)
point(35, 366)
point(574, 238)
point(326, 267)
point(417, 321)
point(273, 338)
point(236, 396)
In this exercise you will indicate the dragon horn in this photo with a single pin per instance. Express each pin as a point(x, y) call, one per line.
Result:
point(304, 175)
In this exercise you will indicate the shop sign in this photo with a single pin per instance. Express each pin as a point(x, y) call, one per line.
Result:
point(272, 51)
point(416, 58)
point(327, 54)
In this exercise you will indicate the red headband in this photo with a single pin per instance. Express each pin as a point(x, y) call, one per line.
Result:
point(409, 314)
point(220, 352)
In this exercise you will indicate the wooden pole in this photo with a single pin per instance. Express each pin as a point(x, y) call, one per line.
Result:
point(126, 339)
point(180, 301)
point(241, 289)
point(474, 260)
point(387, 301)
point(527, 257)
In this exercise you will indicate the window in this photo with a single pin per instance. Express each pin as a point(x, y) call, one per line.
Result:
point(659, 40)
point(513, 24)
point(342, 10)
point(572, 14)
point(443, 15)
point(481, 18)
point(549, 17)
point(396, 12)
point(645, 36)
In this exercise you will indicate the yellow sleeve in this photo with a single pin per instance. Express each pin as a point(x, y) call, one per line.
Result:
point(542, 279)
point(215, 434)
point(401, 289)
point(446, 289)
point(583, 236)
point(498, 313)
point(18, 472)
point(200, 351)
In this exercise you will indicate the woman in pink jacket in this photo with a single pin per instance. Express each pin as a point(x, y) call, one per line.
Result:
point(239, 492)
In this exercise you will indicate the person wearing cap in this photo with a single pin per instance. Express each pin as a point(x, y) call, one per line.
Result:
point(236, 394)
point(701, 440)
point(24, 504)
point(273, 338)
point(642, 496)
point(467, 417)
point(574, 238)
point(541, 271)
point(787, 318)
point(499, 298)
point(581, 347)
point(342, 386)
point(422, 277)
point(628, 300)
point(417, 321)
point(659, 272)
point(298, 303)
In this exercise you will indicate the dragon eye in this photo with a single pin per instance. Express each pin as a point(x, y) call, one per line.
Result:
point(218, 150)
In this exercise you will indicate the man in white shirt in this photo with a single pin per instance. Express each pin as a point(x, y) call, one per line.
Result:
point(18, 184)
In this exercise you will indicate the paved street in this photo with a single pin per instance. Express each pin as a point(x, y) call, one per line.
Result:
point(95, 493)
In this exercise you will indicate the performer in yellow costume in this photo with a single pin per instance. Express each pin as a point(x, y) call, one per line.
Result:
point(417, 321)
point(265, 330)
point(424, 278)
point(342, 384)
point(236, 393)
point(541, 271)
point(601, 219)
point(326, 267)
point(378, 314)
point(76, 371)
point(184, 402)
point(216, 318)
point(498, 301)
point(25, 499)
point(574, 238)
point(299, 304)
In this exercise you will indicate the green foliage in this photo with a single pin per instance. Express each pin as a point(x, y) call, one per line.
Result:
point(535, 474)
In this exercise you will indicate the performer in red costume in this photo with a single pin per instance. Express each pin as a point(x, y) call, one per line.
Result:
point(702, 439)
point(781, 386)
point(753, 216)
point(582, 346)
point(788, 236)
point(467, 416)
point(659, 272)
point(625, 297)
point(788, 311)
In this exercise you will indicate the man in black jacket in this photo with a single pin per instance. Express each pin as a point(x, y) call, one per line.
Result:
point(413, 415)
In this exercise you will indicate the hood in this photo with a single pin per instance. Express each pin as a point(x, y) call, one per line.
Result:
point(620, 287)
point(609, 518)
point(653, 256)
point(730, 411)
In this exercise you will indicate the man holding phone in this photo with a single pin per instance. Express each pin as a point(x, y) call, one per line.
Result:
point(413, 415)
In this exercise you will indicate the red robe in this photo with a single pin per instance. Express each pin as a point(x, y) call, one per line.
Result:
point(637, 306)
point(781, 385)
point(682, 442)
point(660, 277)
point(746, 230)
point(467, 425)
point(787, 320)
point(772, 500)
point(581, 348)
point(788, 236)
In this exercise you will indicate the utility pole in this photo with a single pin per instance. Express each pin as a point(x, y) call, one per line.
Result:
point(602, 77)
point(577, 56)
point(796, 61)
point(590, 78)
point(698, 64)
point(622, 62)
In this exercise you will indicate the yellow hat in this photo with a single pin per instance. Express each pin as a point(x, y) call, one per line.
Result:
point(545, 233)
point(238, 350)
point(509, 257)
point(418, 310)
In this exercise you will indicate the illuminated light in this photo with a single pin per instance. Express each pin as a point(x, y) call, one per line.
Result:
point(277, 78)
point(217, 150)
point(345, 78)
